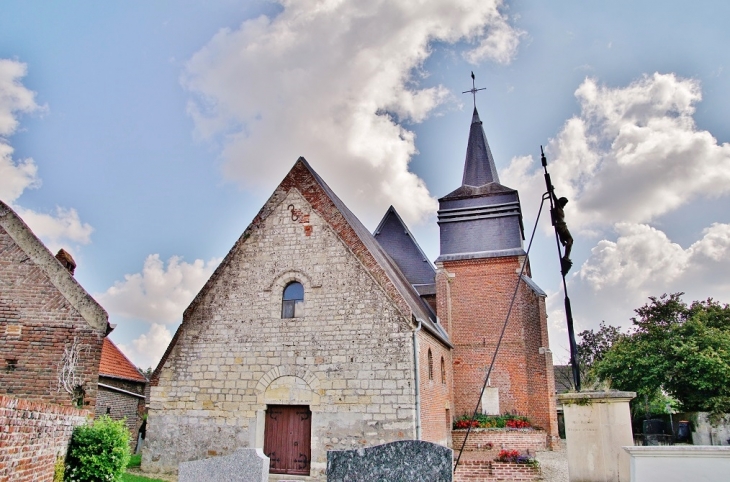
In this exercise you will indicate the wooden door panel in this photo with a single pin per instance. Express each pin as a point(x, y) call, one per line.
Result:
point(287, 439)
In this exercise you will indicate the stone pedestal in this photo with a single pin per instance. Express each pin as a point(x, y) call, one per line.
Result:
point(597, 427)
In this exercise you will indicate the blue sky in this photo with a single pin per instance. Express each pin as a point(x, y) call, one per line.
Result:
point(158, 129)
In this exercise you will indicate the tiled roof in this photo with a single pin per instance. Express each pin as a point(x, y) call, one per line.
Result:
point(114, 364)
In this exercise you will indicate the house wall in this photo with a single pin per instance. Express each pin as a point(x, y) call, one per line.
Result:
point(32, 435)
point(474, 298)
point(122, 405)
point(436, 402)
point(36, 323)
point(350, 357)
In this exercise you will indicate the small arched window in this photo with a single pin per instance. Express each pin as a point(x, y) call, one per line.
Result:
point(443, 371)
point(430, 365)
point(292, 301)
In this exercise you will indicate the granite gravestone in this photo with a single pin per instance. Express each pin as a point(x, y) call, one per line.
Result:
point(244, 465)
point(403, 461)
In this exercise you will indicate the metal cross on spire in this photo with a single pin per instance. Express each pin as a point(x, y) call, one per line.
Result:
point(473, 90)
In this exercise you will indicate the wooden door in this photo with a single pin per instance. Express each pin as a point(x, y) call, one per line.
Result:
point(287, 438)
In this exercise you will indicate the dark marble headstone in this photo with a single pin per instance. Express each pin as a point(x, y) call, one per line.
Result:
point(403, 461)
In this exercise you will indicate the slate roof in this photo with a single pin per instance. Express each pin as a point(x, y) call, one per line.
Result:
point(115, 364)
point(479, 167)
point(396, 239)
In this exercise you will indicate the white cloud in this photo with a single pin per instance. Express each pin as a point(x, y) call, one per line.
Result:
point(159, 294)
point(330, 80)
point(147, 349)
point(17, 176)
point(632, 155)
point(619, 276)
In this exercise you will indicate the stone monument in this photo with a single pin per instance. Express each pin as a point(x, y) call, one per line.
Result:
point(411, 460)
point(597, 427)
point(243, 465)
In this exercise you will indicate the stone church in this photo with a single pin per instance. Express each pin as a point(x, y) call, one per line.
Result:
point(314, 334)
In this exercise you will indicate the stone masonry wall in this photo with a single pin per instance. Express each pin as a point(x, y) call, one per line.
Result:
point(350, 357)
point(32, 435)
point(474, 297)
point(36, 323)
point(436, 403)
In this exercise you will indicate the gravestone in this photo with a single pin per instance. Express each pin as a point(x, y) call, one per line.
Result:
point(490, 401)
point(406, 460)
point(244, 465)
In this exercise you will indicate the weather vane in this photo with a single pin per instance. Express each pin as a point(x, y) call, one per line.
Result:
point(473, 90)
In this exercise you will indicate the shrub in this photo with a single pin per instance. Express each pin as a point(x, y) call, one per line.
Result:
point(516, 457)
point(98, 451)
point(493, 421)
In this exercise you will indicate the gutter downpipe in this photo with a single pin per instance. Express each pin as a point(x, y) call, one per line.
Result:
point(417, 368)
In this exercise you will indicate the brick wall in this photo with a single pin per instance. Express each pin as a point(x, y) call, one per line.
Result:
point(474, 298)
point(32, 435)
point(436, 403)
point(488, 471)
point(36, 322)
point(350, 357)
point(120, 405)
point(479, 439)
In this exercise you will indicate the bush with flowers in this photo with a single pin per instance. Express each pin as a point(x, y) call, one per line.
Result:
point(515, 457)
point(507, 421)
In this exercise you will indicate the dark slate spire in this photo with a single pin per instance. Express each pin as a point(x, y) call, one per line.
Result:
point(479, 168)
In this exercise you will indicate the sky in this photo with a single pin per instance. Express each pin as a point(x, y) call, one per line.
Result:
point(143, 137)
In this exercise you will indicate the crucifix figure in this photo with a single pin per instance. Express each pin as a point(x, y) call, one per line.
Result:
point(563, 233)
point(473, 90)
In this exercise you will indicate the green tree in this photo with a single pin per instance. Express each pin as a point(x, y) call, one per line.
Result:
point(591, 349)
point(676, 350)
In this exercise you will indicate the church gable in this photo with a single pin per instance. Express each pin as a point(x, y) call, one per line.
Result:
point(346, 354)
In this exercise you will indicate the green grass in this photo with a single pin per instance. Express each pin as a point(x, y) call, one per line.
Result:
point(135, 460)
point(138, 478)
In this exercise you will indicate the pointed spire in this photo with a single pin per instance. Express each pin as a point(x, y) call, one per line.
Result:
point(479, 167)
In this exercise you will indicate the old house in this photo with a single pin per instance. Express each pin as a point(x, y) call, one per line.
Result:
point(314, 334)
point(121, 392)
point(52, 329)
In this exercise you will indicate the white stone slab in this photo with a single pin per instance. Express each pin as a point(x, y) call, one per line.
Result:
point(597, 427)
point(244, 465)
point(679, 463)
point(490, 401)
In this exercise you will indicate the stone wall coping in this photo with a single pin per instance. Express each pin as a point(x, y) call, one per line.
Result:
point(612, 396)
point(703, 451)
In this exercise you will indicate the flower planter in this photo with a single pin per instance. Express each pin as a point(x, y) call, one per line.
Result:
point(483, 439)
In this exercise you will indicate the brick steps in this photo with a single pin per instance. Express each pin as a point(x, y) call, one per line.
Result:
point(483, 446)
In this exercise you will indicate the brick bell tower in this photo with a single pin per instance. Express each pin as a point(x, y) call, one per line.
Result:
point(481, 254)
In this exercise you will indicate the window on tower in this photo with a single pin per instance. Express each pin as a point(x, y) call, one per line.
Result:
point(430, 365)
point(292, 301)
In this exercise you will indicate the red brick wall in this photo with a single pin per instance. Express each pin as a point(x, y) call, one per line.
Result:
point(488, 471)
point(32, 435)
point(435, 392)
point(46, 321)
point(474, 298)
point(500, 439)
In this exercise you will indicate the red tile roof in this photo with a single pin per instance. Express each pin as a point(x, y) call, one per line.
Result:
point(114, 364)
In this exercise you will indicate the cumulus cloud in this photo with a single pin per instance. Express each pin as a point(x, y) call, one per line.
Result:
point(146, 350)
point(159, 294)
point(633, 154)
point(333, 81)
point(18, 175)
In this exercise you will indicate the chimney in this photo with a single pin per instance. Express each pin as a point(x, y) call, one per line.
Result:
point(66, 260)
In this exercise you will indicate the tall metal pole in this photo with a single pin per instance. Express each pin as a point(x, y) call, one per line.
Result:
point(568, 310)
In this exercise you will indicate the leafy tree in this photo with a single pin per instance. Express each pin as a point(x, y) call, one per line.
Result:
point(676, 350)
point(591, 349)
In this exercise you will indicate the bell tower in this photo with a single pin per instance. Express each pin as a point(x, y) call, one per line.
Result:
point(481, 238)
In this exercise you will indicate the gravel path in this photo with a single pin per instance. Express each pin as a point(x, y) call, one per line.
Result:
point(554, 465)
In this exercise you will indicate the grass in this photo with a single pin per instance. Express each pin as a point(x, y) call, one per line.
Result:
point(135, 461)
point(138, 478)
